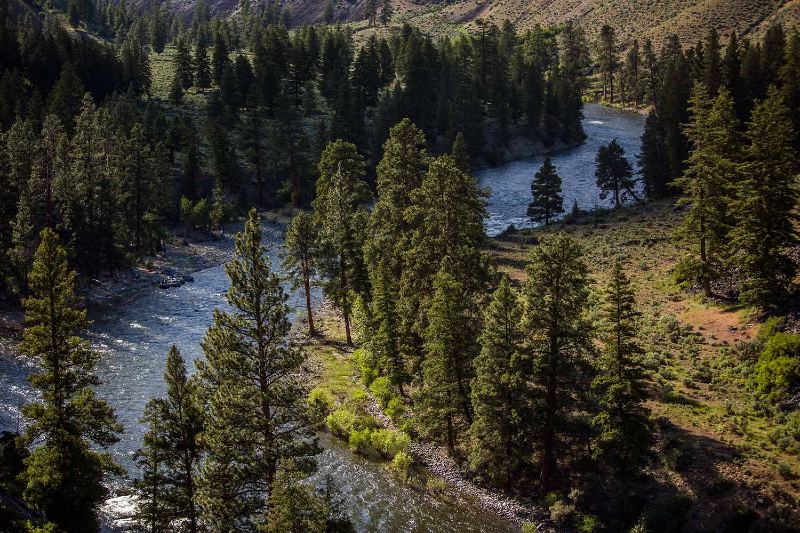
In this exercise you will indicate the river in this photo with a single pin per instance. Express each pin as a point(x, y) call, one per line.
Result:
point(510, 184)
point(134, 338)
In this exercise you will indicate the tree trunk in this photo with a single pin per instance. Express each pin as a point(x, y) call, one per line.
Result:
point(308, 307)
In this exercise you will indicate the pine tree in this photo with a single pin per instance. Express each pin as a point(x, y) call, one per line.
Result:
point(766, 196)
point(254, 395)
point(559, 341)
point(443, 401)
point(499, 392)
point(293, 505)
point(184, 70)
point(340, 211)
point(202, 72)
point(371, 9)
point(170, 454)
point(712, 67)
point(64, 474)
point(219, 57)
point(66, 96)
point(460, 153)
point(446, 214)
point(546, 190)
point(623, 429)
point(614, 173)
point(176, 90)
point(385, 342)
point(300, 255)
point(655, 174)
point(608, 59)
point(709, 174)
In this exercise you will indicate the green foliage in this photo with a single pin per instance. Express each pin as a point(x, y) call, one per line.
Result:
point(63, 477)
point(443, 400)
point(366, 364)
point(251, 386)
point(342, 422)
point(382, 390)
point(360, 441)
point(320, 401)
point(764, 205)
point(299, 257)
point(777, 373)
point(12, 456)
point(171, 451)
point(710, 173)
point(390, 442)
point(546, 190)
point(623, 431)
point(500, 398)
point(614, 173)
point(555, 297)
point(401, 465)
point(293, 507)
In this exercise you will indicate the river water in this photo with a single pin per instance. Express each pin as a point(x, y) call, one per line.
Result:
point(134, 338)
point(510, 184)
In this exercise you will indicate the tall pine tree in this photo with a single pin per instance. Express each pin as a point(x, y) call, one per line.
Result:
point(546, 190)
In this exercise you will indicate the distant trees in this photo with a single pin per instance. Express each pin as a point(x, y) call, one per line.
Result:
point(614, 173)
point(608, 59)
point(64, 474)
point(546, 190)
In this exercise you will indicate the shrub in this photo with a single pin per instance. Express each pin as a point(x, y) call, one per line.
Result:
point(360, 441)
point(390, 442)
point(396, 409)
point(435, 485)
point(785, 470)
point(529, 527)
point(357, 400)
point(383, 391)
point(320, 402)
point(778, 369)
point(341, 422)
point(401, 465)
point(586, 523)
point(770, 327)
point(367, 365)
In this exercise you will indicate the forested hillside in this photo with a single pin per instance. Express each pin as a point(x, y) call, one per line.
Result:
point(630, 368)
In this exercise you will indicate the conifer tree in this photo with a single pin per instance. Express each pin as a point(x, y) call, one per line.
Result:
point(184, 68)
point(202, 72)
point(171, 449)
point(709, 174)
point(385, 341)
point(64, 474)
point(499, 392)
point(328, 14)
point(176, 90)
point(219, 57)
point(655, 174)
point(546, 190)
point(608, 59)
point(66, 96)
point(293, 505)
point(623, 430)
point(300, 254)
point(443, 402)
point(614, 173)
point(460, 152)
point(340, 212)
point(766, 196)
point(254, 396)
point(558, 340)
point(712, 67)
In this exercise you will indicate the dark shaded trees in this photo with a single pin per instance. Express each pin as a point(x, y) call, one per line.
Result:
point(546, 190)
point(614, 174)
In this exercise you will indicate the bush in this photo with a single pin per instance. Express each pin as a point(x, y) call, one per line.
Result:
point(320, 402)
point(770, 327)
point(341, 422)
point(383, 391)
point(777, 372)
point(367, 365)
point(586, 523)
point(360, 441)
point(397, 410)
point(529, 527)
point(401, 465)
point(435, 485)
point(390, 442)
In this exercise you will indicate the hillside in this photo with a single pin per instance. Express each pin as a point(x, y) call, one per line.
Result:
point(640, 19)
